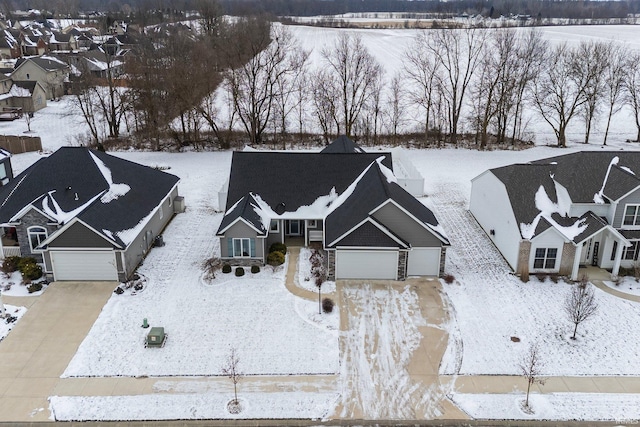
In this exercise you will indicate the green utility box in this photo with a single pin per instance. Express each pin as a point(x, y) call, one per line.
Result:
point(156, 337)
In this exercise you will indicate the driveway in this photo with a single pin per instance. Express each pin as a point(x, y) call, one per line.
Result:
point(39, 348)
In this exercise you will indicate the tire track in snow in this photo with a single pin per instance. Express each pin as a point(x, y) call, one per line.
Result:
point(380, 338)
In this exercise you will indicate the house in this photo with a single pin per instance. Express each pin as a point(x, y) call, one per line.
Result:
point(50, 72)
point(557, 214)
point(348, 202)
point(17, 97)
point(86, 215)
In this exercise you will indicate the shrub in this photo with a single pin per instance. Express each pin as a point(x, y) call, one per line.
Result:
point(226, 268)
point(10, 264)
point(449, 278)
point(275, 258)
point(239, 272)
point(255, 269)
point(210, 267)
point(24, 262)
point(278, 247)
point(34, 287)
point(327, 305)
point(118, 291)
point(30, 270)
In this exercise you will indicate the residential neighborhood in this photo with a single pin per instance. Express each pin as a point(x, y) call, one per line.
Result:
point(198, 225)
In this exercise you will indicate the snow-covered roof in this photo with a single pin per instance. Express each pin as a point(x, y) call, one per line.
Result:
point(542, 192)
point(115, 197)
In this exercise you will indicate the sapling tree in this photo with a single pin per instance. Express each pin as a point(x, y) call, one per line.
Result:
point(530, 367)
point(581, 303)
point(230, 369)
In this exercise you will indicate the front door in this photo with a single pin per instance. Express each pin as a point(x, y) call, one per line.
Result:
point(293, 228)
point(585, 256)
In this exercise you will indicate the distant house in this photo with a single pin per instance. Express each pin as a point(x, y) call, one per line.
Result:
point(558, 214)
point(21, 96)
point(62, 42)
point(343, 199)
point(50, 72)
point(86, 215)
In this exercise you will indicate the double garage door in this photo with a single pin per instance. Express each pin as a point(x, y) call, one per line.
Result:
point(363, 264)
point(84, 265)
point(351, 264)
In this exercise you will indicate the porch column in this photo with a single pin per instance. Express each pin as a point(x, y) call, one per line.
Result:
point(576, 262)
point(616, 262)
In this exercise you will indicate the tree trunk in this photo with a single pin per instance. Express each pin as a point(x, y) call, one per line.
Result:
point(574, 332)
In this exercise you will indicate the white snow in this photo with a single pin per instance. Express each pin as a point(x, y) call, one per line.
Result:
point(51, 207)
point(193, 406)
point(627, 285)
point(547, 208)
point(388, 173)
point(305, 278)
point(115, 190)
point(621, 408)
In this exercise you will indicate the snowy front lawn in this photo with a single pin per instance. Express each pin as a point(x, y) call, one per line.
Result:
point(256, 314)
point(305, 278)
point(553, 406)
point(628, 285)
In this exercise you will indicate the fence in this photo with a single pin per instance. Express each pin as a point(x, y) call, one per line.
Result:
point(20, 144)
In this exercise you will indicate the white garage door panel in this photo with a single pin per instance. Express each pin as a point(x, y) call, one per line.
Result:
point(423, 262)
point(82, 266)
point(366, 265)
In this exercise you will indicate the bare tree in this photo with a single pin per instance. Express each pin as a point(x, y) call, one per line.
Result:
point(291, 91)
point(614, 82)
point(457, 53)
point(355, 73)
point(632, 89)
point(590, 61)
point(530, 368)
point(324, 100)
point(422, 73)
point(254, 84)
point(396, 108)
point(559, 90)
point(580, 304)
point(230, 369)
point(530, 58)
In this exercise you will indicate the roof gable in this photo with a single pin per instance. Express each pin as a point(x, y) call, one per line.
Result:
point(342, 145)
point(246, 209)
point(109, 194)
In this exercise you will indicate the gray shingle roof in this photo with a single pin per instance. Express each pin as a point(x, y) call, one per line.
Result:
point(582, 174)
point(372, 190)
point(342, 145)
point(368, 235)
point(294, 179)
point(245, 208)
point(72, 179)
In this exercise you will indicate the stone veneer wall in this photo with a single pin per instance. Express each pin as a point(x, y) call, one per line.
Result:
point(331, 265)
point(402, 265)
point(443, 258)
point(566, 262)
point(523, 260)
point(30, 219)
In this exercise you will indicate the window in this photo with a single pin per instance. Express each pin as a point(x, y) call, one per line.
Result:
point(274, 227)
point(312, 223)
point(545, 258)
point(632, 215)
point(170, 201)
point(632, 251)
point(37, 235)
point(160, 212)
point(614, 250)
point(242, 248)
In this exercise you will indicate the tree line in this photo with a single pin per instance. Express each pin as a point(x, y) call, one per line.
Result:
point(200, 88)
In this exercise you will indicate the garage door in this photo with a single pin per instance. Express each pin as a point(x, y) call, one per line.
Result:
point(366, 264)
point(82, 266)
point(423, 262)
